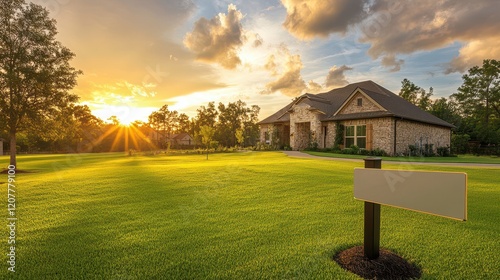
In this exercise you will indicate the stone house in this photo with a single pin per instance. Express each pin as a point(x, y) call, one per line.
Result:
point(365, 114)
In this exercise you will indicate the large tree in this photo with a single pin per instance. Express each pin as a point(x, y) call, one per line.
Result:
point(35, 74)
point(416, 95)
point(478, 100)
point(205, 116)
point(479, 94)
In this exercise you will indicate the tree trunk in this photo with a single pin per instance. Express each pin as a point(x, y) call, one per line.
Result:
point(13, 160)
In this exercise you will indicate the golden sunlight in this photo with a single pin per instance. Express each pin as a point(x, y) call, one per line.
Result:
point(125, 114)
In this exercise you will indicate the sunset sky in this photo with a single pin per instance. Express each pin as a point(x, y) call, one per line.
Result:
point(139, 55)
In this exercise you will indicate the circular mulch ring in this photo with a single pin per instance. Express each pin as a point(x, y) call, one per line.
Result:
point(387, 266)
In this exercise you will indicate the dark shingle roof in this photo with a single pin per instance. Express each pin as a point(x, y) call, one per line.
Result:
point(330, 102)
point(281, 116)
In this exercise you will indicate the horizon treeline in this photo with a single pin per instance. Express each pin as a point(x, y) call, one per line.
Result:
point(76, 129)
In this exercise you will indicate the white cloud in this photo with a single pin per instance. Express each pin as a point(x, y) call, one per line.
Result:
point(219, 39)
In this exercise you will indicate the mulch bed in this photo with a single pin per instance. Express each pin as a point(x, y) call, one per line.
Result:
point(387, 266)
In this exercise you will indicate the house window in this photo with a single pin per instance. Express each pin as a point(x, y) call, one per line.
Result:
point(360, 101)
point(355, 135)
point(349, 136)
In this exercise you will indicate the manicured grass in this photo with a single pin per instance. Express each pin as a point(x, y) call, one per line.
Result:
point(457, 159)
point(236, 216)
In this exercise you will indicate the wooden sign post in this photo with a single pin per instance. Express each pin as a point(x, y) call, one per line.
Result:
point(372, 218)
point(438, 193)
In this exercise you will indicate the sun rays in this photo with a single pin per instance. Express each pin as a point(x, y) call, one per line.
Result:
point(124, 138)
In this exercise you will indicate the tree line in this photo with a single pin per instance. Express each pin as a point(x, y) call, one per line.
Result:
point(474, 109)
point(76, 129)
point(234, 124)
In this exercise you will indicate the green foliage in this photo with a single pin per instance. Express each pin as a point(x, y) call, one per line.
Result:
point(378, 153)
point(355, 149)
point(347, 151)
point(443, 151)
point(35, 74)
point(460, 143)
point(478, 101)
point(227, 120)
point(339, 135)
point(446, 110)
point(273, 133)
point(287, 148)
point(207, 133)
point(413, 150)
point(263, 147)
point(416, 95)
point(240, 138)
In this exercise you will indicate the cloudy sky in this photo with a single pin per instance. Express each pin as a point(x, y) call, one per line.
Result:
point(139, 55)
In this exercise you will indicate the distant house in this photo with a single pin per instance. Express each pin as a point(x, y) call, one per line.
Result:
point(182, 139)
point(175, 140)
point(370, 116)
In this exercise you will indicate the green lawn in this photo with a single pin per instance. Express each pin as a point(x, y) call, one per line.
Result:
point(457, 159)
point(236, 216)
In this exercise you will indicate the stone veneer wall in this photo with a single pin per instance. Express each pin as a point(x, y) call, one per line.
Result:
point(263, 129)
point(352, 107)
point(302, 114)
point(331, 128)
point(410, 133)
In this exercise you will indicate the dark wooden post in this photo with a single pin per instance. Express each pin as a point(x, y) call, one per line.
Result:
point(372, 218)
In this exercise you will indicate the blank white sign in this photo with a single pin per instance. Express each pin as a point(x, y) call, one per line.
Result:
point(438, 193)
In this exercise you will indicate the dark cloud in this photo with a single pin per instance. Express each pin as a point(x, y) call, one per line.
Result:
point(402, 27)
point(336, 76)
point(310, 18)
point(219, 39)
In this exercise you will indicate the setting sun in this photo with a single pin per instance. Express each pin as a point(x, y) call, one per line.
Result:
point(126, 115)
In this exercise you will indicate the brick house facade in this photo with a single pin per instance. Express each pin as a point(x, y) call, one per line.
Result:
point(371, 116)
